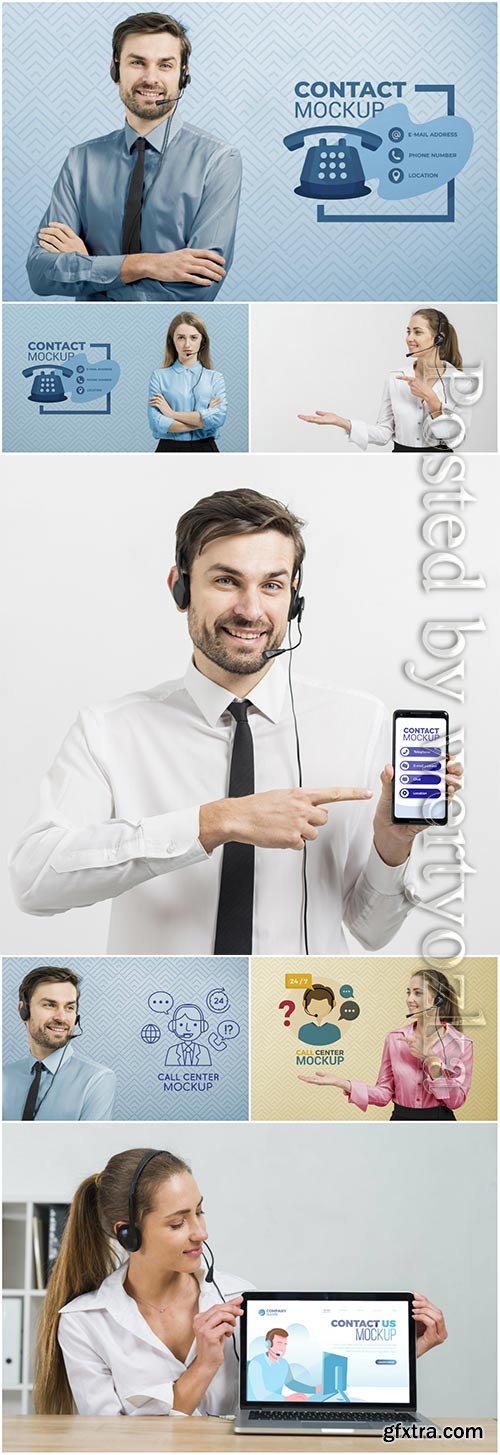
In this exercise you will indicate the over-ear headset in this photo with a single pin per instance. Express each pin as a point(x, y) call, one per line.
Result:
point(440, 336)
point(129, 1235)
point(184, 78)
point(172, 1025)
point(181, 592)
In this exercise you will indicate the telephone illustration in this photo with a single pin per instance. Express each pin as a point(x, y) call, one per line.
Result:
point(332, 170)
point(48, 387)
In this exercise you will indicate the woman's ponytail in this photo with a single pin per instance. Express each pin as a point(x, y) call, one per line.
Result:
point(84, 1259)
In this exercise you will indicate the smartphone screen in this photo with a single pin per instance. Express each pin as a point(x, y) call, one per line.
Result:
point(419, 754)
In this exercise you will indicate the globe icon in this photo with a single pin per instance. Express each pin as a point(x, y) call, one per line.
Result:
point(150, 1034)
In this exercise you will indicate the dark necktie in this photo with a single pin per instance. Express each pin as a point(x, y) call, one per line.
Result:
point(131, 230)
point(233, 935)
point(31, 1099)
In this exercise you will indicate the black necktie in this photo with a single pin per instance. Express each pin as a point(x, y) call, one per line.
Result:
point(131, 230)
point(233, 935)
point(30, 1103)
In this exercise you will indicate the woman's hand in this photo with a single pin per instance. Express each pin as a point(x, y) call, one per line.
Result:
point(213, 403)
point(422, 391)
point(162, 404)
point(321, 417)
point(212, 1328)
point(430, 1326)
point(325, 1078)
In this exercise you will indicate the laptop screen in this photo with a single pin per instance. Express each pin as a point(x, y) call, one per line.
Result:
point(338, 1348)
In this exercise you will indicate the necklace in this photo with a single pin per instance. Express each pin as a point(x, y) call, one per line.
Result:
point(157, 1310)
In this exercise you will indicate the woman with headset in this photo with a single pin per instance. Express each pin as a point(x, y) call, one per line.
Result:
point(416, 402)
point(156, 1335)
point(426, 1067)
point(187, 398)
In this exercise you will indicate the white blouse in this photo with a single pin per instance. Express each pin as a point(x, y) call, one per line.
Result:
point(402, 416)
point(116, 1365)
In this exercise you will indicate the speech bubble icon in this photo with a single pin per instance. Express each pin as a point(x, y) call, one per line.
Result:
point(349, 1010)
point(160, 1001)
point(288, 1006)
point(346, 991)
point(229, 1030)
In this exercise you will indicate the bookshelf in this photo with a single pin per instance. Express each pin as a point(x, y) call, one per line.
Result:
point(22, 1303)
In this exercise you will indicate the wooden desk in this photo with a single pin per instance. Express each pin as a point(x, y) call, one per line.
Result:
point(56, 1433)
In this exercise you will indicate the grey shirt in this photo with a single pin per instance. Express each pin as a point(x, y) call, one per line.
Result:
point(190, 199)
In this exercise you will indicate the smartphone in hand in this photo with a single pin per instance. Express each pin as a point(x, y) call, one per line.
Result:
point(419, 756)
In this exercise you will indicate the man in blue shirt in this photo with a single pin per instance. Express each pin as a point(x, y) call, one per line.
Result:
point(148, 212)
point(54, 1083)
point(270, 1373)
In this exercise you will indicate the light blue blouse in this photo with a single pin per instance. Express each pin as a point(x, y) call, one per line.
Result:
point(188, 389)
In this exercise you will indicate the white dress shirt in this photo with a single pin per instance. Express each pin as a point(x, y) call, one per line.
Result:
point(402, 416)
point(116, 1365)
point(119, 818)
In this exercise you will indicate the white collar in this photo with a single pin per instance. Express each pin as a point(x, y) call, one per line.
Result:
point(212, 700)
point(112, 1297)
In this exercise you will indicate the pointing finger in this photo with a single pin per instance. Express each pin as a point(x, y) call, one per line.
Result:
point(337, 795)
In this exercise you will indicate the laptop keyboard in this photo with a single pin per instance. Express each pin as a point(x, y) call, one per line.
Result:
point(348, 1414)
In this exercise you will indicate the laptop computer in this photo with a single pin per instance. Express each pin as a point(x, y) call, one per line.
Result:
point(327, 1363)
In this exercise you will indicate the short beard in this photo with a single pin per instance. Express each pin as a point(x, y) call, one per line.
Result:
point(147, 110)
point(40, 1040)
point(216, 647)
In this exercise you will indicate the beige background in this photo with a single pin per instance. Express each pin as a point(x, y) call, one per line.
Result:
point(379, 986)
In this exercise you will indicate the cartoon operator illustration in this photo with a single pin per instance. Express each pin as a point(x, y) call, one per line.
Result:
point(319, 1003)
point(270, 1373)
point(188, 1024)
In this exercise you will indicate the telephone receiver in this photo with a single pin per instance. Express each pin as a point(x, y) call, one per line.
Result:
point(27, 373)
point(332, 170)
point(47, 389)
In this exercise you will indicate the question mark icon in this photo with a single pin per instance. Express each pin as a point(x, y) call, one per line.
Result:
point(288, 1006)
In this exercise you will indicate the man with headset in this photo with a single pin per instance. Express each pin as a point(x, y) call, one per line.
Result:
point(217, 776)
point(54, 1083)
point(149, 211)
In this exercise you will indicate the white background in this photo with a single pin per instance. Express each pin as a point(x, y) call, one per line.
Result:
point(333, 1208)
point(88, 618)
point(335, 356)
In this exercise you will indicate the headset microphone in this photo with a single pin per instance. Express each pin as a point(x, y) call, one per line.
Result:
point(281, 651)
point(209, 1276)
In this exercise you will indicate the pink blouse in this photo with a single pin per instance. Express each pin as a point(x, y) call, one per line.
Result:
point(403, 1078)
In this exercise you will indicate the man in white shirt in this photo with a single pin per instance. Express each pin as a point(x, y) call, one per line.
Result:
point(163, 780)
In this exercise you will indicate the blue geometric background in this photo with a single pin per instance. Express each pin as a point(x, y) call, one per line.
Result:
point(246, 61)
point(114, 1009)
point(137, 338)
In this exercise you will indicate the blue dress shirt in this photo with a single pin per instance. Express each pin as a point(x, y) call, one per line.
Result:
point(188, 389)
point(190, 199)
point(83, 1091)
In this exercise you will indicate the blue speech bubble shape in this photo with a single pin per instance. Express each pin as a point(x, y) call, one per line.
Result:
point(91, 382)
point(160, 1001)
point(346, 991)
point(228, 1030)
point(218, 1000)
point(349, 1010)
point(435, 152)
